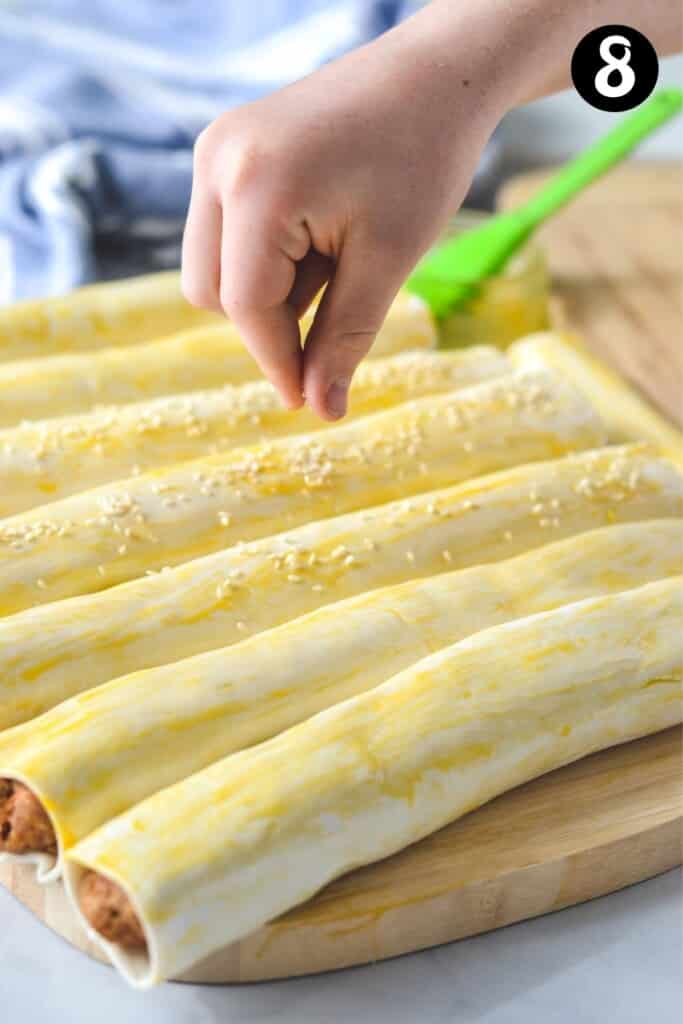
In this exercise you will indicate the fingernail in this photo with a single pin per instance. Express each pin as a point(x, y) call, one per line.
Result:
point(335, 400)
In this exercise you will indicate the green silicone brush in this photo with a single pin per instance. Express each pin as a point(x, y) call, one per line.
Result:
point(450, 272)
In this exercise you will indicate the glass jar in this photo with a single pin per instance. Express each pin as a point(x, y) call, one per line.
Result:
point(505, 307)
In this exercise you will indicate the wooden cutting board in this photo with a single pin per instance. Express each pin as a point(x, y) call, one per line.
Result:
point(603, 823)
point(595, 826)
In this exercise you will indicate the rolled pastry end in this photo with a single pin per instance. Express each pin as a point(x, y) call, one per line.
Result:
point(24, 824)
point(108, 910)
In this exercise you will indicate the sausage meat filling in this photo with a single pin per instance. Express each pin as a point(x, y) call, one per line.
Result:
point(108, 910)
point(24, 825)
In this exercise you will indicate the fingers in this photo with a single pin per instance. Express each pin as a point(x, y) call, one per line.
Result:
point(201, 259)
point(256, 279)
point(240, 253)
point(311, 274)
point(351, 312)
point(272, 336)
point(249, 251)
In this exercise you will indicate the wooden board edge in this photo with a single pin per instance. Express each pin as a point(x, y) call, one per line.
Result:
point(280, 950)
point(519, 895)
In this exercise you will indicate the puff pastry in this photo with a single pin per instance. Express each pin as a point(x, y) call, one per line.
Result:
point(208, 860)
point(159, 726)
point(48, 460)
point(62, 385)
point(51, 652)
point(96, 316)
point(202, 357)
point(626, 415)
point(116, 532)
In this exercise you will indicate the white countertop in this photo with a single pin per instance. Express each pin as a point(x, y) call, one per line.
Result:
point(615, 960)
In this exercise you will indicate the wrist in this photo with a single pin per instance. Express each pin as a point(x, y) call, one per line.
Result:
point(493, 55)
point(439, 60)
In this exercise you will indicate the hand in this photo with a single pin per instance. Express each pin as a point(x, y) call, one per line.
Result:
point(345, 177)
point(349, 175)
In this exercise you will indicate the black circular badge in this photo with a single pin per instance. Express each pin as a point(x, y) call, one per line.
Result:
point(615, 68)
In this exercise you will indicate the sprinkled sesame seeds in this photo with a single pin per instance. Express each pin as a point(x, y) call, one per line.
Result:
point(116, 505)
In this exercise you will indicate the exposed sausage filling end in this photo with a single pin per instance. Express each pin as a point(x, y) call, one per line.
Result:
point(24, 825)
point(108, 910)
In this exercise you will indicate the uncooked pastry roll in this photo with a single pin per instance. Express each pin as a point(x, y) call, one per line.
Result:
point(627, 416)
point(56, 650)
point(208, 860)
point(202, 357)
point(117, 532)
point(97, 316)
point(48, 460)
point(95, 755)
point(63, 385)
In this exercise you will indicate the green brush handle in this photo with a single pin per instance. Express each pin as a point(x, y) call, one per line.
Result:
point(451, 272)
point(602, 155)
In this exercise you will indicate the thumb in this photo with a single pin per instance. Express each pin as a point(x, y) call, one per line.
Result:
point(347, 320)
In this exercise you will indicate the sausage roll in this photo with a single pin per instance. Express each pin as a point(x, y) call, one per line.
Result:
point(116, 532)
point(47, 460)
point(206, 861)
point(53, 651)
point(95, 755)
